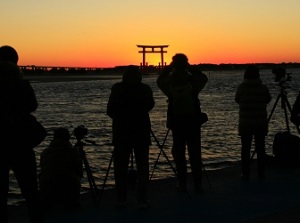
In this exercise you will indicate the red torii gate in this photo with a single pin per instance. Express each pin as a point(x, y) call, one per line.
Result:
point(152, 50)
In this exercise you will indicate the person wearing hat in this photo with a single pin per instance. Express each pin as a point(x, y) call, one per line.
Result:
point(129, 105)
point(252, 97)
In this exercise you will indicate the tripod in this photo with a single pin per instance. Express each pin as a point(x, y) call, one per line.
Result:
point(93, 188)
point(285, 105)
point(131, 175)
point(161, 147)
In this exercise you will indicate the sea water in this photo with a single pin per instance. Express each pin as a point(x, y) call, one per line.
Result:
point(70, 104)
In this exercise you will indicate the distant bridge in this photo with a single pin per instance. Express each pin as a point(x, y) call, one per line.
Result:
point(34, 68)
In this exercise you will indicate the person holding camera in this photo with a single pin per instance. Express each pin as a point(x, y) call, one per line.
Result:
point(18, 101)
point(252, 97)
point(129, 105)
point(61, 171)
point(184, 116)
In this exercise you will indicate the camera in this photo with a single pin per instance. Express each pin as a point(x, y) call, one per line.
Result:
point(80, 132)
point(280, 74)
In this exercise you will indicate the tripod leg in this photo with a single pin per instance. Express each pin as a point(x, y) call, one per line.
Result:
point(155, 164)
point(165, 155)
point(274, 106)
point(270, 116)
point(90, 176)
point(206, 175)
point(283, 105)
point(161, 147)
point(105, 180)
point(162, 151)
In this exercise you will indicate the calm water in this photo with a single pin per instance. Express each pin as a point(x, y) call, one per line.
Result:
point(70, 104)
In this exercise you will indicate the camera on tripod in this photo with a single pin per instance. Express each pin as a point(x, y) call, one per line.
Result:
point(80, 132)
point(281, 75)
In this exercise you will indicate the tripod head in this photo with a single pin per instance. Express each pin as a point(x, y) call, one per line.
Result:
point(281, 76)
point(80, 132)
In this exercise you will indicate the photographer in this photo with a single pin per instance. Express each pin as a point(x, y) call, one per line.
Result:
point(18, 101)
point(184, 116)
point(61, 171)
point(129, 104)
point(296, 111)
point(252, 97)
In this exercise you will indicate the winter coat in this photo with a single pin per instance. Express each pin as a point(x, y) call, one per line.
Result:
point(178, 81)
point(18, 101)
point(61, 171)
point(128, 106)
point(252, 97)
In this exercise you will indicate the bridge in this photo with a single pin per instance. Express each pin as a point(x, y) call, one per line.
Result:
point(36, 69)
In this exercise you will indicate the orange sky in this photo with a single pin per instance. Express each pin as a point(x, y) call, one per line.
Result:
point(105, 33)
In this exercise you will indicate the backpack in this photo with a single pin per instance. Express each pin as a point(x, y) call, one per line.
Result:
point(286, 149)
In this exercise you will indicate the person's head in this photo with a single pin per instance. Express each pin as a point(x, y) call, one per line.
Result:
point(180, 61)
point(9, 72)
point(251, 72)
point(132, 75)
point(61, 134)
point(8, 53)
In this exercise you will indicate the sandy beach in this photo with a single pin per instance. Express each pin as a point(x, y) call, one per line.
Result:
point(229, 199)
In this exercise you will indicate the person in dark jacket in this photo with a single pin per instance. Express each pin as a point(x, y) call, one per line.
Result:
point(252, 96)
point(295, 118)
point(183, 116)
point(61, 171)
point(129, 104)
point(17, 100)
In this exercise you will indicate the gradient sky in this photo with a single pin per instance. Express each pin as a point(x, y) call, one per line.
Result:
point(104, 33)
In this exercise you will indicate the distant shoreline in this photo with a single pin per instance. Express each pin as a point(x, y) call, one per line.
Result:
point(75, 77)
point(68, 78)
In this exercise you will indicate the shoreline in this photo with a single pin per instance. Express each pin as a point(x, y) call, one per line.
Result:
point(16, 199)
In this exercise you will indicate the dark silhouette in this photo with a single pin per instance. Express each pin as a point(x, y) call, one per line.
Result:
point(252, 96)
point(182, 89)
point(17, 102)
point(296, 111)
point(61, 171)
point(128, 106)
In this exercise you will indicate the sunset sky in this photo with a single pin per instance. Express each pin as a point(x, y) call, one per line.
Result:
point(101, 33)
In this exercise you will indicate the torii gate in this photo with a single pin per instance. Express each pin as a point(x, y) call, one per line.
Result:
point(153, 50)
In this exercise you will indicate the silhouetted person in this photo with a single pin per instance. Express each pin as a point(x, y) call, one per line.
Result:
point(182, 89)
point(61, 171)
point(295, 118)
point(252, 96)
point(128, 106)
point(17, 101)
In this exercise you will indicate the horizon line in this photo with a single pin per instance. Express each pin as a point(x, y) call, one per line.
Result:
point(94, 67)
